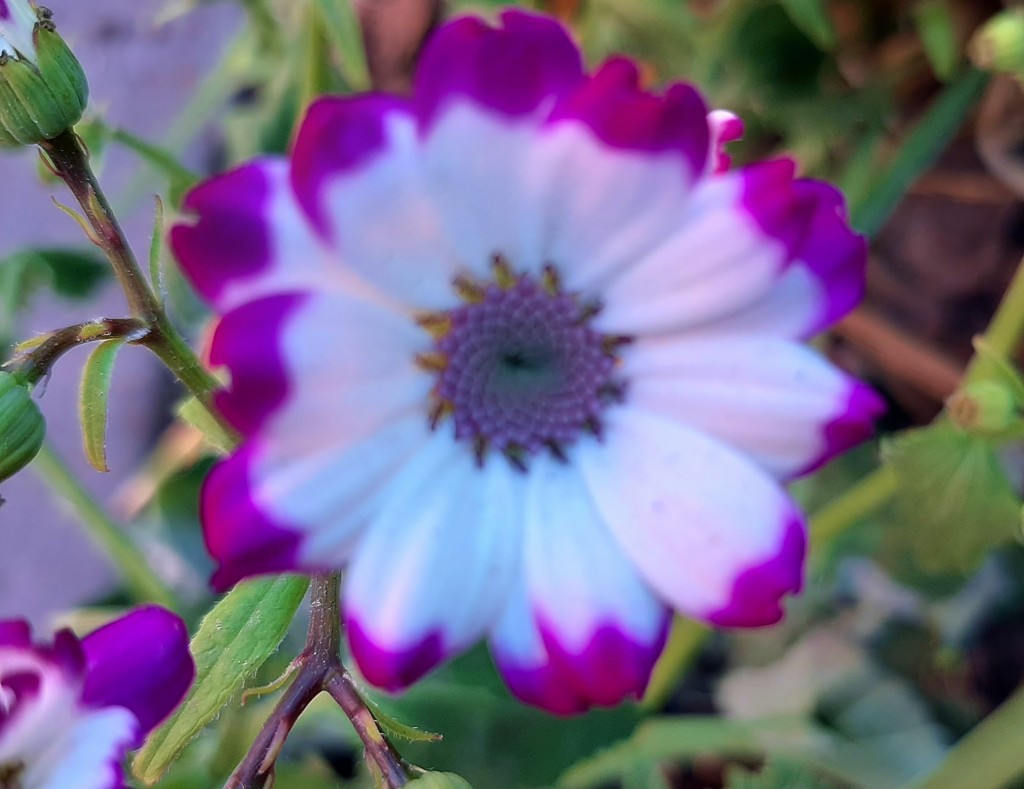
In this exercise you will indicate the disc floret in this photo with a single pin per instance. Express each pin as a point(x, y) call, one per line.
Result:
point(520, 367)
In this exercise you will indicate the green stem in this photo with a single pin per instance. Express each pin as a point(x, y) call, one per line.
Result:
point(989, 757)
point(70, 160)
point(1004, 331)
point(853, 504)
point(127, 557)
point(317, 73)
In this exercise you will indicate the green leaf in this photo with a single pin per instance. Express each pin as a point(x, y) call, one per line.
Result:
point(346, 39)
point(179, 178)
point(775, 775)
point(681, 739)
point(244, 629)
point(919, 151)
point(156, 246)
point(938, 34)
point(440, 781)
point(811, 16)
point(954, 501)
point(196, 414)
point(93, 399)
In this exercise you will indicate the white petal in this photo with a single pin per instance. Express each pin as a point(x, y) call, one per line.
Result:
point(436, 564)
point(85, 753)
point(715, 536)
point(774, 400)
point(717, 262)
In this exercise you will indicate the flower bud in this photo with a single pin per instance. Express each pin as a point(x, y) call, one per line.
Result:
point(983, 407)
point(43, 90)
point(999, 44)
point(22, 427)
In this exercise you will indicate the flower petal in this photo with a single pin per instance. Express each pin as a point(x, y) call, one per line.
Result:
point(84, 750)
point(436, 564)
point(523, 659)
point(140, 662)
point(733, 243)
point(358, 173)
point(513, 70)
point(249, 237)
point(602, 626)
point(716, 537)
point(778, 402)
point(824, 282)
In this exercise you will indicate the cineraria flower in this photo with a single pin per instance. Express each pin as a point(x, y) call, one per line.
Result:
point(525, 360)
point(70, 710)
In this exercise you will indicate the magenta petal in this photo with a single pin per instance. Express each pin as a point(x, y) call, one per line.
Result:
point(542, 686)
point(511, 70)
point(612, 104)
point(833, 253)
point(240, 536)
point(140, 662)
point(852, 426)
point(391, 670)
point(337, 135)
point(230, 238)
point(614, 666)
point(248, 342)
point(758, 592)
point(15, 633)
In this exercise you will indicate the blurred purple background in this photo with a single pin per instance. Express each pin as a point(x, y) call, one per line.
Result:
point(141, 77)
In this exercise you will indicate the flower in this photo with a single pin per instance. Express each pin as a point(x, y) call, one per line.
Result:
point(70, 710)
point(43, 90)
point(520, 357)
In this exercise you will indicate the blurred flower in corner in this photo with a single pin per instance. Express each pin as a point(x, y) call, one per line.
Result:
point(43, 90)
point(70, 709)
point(527, 358)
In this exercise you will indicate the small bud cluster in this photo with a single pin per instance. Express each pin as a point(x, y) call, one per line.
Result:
point(43, 90)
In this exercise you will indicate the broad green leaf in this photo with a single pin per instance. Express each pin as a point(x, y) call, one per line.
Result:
point(811, 16)
point(954, 501)
point(244, 629)
point(775, 775)
point(938, 34)
point(93, 401)
point(919, 151)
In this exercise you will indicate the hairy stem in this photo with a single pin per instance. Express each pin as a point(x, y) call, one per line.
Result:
point(319, 670)
point(129, 560)
point(70, 160)
point(34, 363)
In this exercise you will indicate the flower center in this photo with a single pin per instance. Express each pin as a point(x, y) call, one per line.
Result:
point(519, 367)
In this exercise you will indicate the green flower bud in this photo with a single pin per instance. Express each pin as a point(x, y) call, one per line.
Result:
point(984, 407)
point(999, 44)
point(440, 781)
point(43, 90)
point(22, 427)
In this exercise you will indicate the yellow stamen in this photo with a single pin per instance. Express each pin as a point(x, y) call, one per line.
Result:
point(516, 455)
point(432, 361)
point(588, 310)
point(480, 446)
point(503, 274)
point(611, 343)
point(437, 324)
point(550, 280)
point(468, 290)
point(439, 411)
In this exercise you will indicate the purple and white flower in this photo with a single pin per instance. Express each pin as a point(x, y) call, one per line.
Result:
point(17, 22)
point(70, 710)
point(526, 357)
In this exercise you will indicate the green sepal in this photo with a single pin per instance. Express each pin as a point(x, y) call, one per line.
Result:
point(43, 97)
point(22, 427)
point(440, 781)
